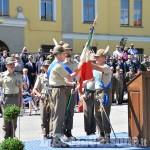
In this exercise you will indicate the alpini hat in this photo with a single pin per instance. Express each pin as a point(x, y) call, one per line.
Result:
point(67, 46)
point(58, 49)
point(46, 63)
point(10, 60)
point(102, 52)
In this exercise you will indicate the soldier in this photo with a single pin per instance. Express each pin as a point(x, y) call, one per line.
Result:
point(57, 75)
point(88, 104)
point(102, 74)
point(131, 74)
point(41, 89)
point(118, 84)
point(145, 64)
point(50, 56)
point(71, 66)
point(11, 83)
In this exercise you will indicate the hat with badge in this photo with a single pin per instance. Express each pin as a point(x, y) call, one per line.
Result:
point(102, 52)
point(10, 60)
point(58, 49)
point(67, 46)
point(46, 63)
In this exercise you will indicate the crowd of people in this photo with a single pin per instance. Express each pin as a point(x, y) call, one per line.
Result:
point(53, 79)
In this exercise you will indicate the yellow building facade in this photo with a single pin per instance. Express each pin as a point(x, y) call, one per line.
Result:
point(25, 24)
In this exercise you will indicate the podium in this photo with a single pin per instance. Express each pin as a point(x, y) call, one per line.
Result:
point(139, 107)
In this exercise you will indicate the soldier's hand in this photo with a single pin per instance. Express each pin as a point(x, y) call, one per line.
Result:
point(83, 97)
point(42, 97)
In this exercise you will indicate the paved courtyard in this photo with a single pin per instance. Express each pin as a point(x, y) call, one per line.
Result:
point(30, 131)
point(30, 125)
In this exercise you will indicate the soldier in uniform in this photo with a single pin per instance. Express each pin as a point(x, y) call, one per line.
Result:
point(11, 83)
point(102, 74)
point(41, 89)
point(71, 66)
point(88, 104)
point(131, 74)
point(145, 64)
point(57, 75)
point(118, 85)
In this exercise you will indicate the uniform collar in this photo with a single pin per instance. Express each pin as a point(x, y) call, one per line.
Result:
point(7, 72)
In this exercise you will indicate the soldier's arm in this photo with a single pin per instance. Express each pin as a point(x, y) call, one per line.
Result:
point(73, 75)
point(37, 87)
point(96, 67)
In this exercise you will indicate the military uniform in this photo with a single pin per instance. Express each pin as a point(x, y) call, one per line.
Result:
point(88, 108)
point(59, 99)
point(145, 65)
point(103, 76)
point(130, 75)
point(68, 123)
point(88, 104)
point(42, 85)
point(11, 88)
point(118, 86)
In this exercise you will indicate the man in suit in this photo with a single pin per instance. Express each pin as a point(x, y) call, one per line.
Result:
point(37, 56)
point(24, 55)
point(30, 65)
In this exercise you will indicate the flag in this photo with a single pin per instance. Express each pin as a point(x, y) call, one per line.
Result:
point(85, 66)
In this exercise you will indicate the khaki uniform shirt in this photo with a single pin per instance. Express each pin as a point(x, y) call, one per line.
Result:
point(41, 83)
point(57, 75)
point(10, 83)
point(129, 76)
point(72, 65)
point(104, 76)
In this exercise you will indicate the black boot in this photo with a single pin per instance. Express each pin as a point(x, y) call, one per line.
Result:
point(69, 135)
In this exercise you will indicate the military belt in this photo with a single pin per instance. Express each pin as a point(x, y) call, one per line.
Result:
point(89, 91)
point(11, 95)
point(102, 90)
point(61, 86)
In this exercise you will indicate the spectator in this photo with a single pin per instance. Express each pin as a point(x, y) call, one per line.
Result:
point(125, 54)
point(18, 64)
point(31, 66)
point(117, 52)
point(24, 55)
point(37, 56)
point(25, 76)
point(27, 97)
point(145, 64)
point(132, 50)
point(39, 64)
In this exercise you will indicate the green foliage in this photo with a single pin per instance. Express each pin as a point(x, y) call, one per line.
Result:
point(11, 112)
point(12, 144)
point(123, 42)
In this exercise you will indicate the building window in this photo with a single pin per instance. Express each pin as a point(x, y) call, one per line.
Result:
point(124, 18)
point(137, 13)
point(88, 10)
point(47, 10)
point(4, 7)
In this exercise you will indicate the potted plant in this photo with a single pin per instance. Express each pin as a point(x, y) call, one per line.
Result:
point(11, 112)
point(12, 144)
